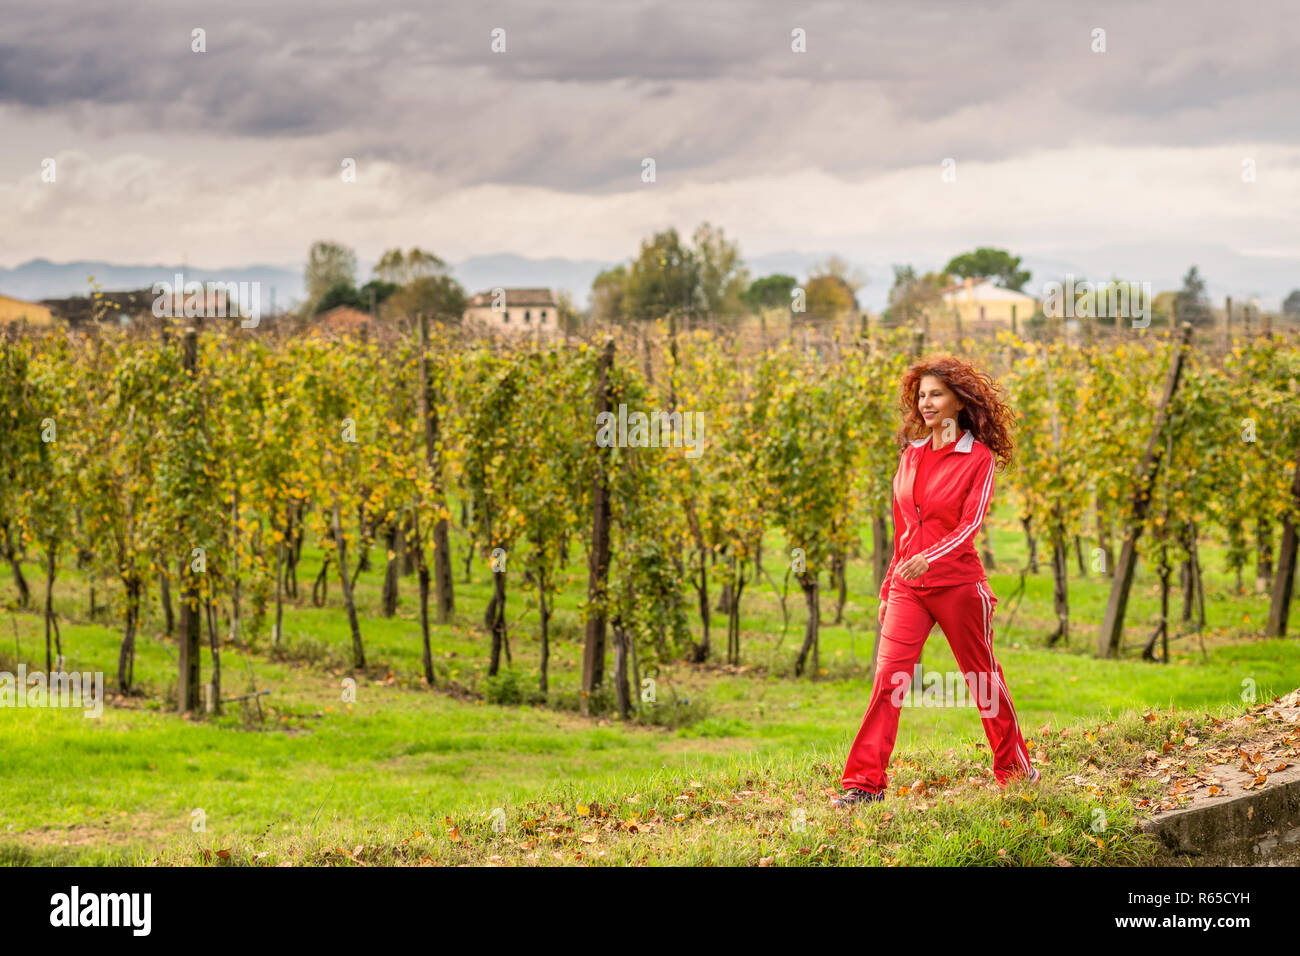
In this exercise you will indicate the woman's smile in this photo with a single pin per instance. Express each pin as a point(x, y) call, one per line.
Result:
point(936, 402)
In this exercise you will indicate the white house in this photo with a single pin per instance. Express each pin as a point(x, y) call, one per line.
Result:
point(514, 312)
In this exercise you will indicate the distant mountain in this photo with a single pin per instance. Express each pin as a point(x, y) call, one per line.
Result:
point(1226, 272)
point(42, 279)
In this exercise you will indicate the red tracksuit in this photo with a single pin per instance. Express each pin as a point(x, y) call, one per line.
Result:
point(938, 515)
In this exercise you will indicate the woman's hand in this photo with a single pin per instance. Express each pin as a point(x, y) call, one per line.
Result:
point(880, 615)
point(913, 568)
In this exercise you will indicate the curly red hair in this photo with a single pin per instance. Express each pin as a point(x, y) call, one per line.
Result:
point(989, 418)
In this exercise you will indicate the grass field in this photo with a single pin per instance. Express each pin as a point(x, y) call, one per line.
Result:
point(407, 774)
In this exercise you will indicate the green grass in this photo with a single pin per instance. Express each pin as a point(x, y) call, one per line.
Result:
point(320, 773)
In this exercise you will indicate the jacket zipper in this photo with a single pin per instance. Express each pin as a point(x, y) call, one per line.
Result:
point(918, 533)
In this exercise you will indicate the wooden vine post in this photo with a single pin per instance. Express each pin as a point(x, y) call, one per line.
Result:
point(1279, 607)
point(593, 653)
point(445, 596)
point(189, 690)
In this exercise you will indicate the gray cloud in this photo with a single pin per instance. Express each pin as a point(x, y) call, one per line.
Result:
point(586, 89)
point(234, 155)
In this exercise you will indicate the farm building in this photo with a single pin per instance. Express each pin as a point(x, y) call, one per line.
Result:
point(514, 312)
point(982, 304)
point(343, 318)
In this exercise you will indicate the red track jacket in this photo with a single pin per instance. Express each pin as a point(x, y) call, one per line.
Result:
point(954, 499)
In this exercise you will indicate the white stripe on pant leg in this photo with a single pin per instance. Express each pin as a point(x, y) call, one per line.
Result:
point(988, 640)
point(999, 683)
point(993, 674)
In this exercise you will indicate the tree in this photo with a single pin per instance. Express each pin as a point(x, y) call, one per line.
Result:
point(996, 264)
point(609, 294)
point(1291, 305)
point(375, 293)
point(721, 276)
point(1191, 302)
point(438, 296)
point(828, 297)
point(838, 268)
point(328, 263)
point(769, 292)
point(340, 293)
point(830, 291)
point(401, 269)
point(661, 280)
point(415, 281)
point(670, 276)
point(912, 296)
point(567, 315)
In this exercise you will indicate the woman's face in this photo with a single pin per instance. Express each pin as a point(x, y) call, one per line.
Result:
point(936, 403)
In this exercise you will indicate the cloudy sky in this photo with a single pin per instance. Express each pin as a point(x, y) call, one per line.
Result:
point(1183, 133)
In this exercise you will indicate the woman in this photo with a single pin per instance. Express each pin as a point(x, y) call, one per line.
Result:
point(942, 489)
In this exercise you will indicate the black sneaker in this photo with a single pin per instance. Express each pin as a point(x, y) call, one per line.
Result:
point(853, 796)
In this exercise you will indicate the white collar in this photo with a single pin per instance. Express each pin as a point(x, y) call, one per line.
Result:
point(964, 443)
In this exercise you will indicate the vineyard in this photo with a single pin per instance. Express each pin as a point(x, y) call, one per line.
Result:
point(192, 491)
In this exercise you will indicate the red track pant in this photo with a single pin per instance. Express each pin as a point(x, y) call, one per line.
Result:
point(965, 613)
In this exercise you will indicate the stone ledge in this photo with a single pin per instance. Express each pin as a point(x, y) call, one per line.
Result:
point(1236, 815)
